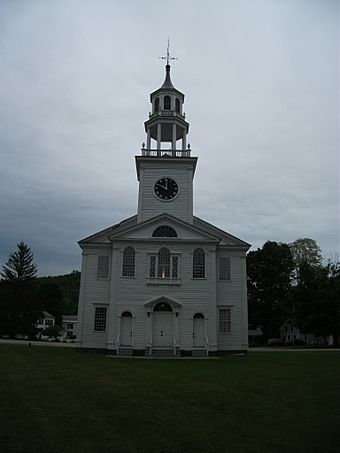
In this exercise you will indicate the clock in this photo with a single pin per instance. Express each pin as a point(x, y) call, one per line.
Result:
point(166, 189)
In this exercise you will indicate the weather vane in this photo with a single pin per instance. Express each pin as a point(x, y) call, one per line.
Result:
point(168, 58)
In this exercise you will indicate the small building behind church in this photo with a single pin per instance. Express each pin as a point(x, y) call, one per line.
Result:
point(164, 282)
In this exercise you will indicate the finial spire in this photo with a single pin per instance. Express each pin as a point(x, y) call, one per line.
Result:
point(167, 57)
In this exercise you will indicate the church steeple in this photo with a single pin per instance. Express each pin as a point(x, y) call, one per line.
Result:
point(166, 123)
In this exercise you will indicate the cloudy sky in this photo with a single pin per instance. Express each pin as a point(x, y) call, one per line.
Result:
point(262, 98)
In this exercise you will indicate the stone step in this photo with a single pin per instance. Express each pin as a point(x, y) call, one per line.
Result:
point(164, 353)
point(199, 353)
point(125, 351)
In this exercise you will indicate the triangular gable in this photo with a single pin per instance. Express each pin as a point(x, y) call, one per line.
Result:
point(225, 237)
point(144, 230)
point(102, 236)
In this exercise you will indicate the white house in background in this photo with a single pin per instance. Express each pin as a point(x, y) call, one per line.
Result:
point(164, 282)
point(47, 320)
point(69, 326)
point(289, 334)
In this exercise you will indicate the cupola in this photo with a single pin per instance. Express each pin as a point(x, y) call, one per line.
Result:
point(166, 123)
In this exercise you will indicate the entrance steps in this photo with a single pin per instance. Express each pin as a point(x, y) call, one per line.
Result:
point(125, 352)
point(199, 353)
point(157, 352)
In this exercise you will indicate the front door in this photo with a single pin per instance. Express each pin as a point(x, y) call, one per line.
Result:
point(162, 326)
point(126, 329)
point(198, 333)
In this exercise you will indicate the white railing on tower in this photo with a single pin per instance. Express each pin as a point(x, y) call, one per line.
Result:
point(165, 152)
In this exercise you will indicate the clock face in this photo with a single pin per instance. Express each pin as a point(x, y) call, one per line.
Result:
point(166, 189)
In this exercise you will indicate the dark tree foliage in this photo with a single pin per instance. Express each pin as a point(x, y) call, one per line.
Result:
point(316, 297)
point(20, 266)
point(19, 303)
point(69, 286)
point(305, 251)
point(270, 272)
point(51, 298)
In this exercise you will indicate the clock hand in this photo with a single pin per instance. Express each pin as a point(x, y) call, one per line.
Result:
point(163, 187)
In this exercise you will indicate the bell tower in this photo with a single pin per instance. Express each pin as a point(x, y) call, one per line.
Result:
point(166, 123)
point(165, 170)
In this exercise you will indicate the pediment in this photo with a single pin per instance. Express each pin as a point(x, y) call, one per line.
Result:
point(145, 230)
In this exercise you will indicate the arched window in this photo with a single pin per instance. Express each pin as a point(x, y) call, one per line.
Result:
point(129, 262)
point(156, 105)
point(198, 316)
point(164, 263)
point(167, 102)
point(177, 105)
point(164, 231)
point(126, 314)
point(198, 268)
point(162, 306)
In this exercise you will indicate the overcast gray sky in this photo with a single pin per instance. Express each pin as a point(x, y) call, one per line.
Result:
point(262, 98)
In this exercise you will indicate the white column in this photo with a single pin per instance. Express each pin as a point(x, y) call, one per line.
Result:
point(174, 134)
point(159, 136)
point(213, 304)
point(184, 140)
point(148, 140)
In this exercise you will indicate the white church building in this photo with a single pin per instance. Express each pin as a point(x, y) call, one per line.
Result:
point(164, 282)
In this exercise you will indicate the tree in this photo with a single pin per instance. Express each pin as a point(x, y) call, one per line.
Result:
point(51, 298)
point(20, 266)
point(305, 250)
point(19, 305)
point(270, 272)
point(317, 300)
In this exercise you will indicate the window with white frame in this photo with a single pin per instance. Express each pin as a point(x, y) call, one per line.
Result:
point(198, 268)
point(164, 265)
point(224, 320)
point(128, 262)
point(103, 266)
point(224, 268)
point(100, 319)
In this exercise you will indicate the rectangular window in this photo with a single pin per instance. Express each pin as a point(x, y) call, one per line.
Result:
point(224, 320)
point(100, 319)
point(69, 326)
point(160, 268)
point(224, 268)
point(152, 272)
point(175, 267)
point(103, 267)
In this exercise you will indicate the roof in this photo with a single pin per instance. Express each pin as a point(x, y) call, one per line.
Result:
point(206, 231)
point(167, 85)
point(46, 314)
point(70, 318)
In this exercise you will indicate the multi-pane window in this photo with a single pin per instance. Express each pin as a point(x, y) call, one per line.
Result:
point(224, 320)
point(167, 103)
point(129, 262)
point(164, 231)
point(152, 272)
point(100, 319)
point(164, 263)
point(174, 267)
point(198, 269)
point(224, 267)
point(103, 267)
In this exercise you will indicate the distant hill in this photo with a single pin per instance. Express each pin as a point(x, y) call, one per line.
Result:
point(69, 285)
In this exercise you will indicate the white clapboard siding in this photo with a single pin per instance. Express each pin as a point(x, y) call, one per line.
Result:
point(151, 206)
point(121, 294)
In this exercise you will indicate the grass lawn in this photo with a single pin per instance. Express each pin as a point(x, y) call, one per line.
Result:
point(57, 400)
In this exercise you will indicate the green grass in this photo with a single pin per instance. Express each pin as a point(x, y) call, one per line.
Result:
point(57, 400)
